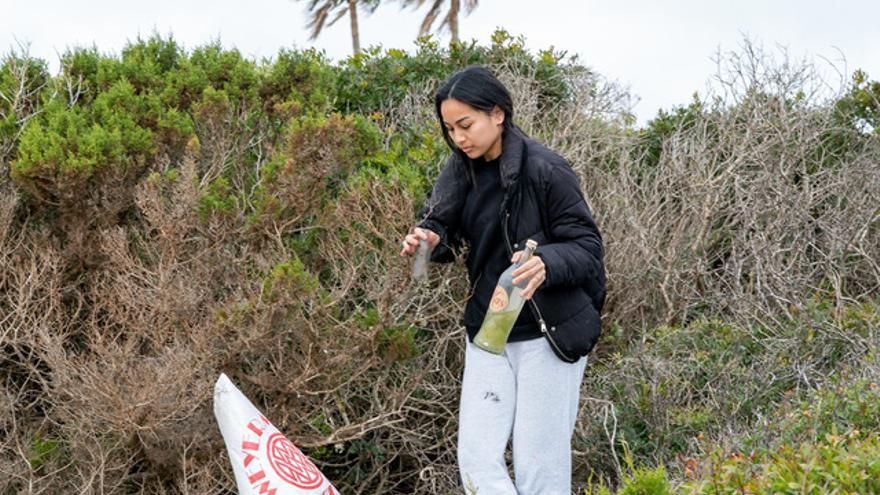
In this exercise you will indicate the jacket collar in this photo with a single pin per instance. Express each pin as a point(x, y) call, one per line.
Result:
point(513, 151)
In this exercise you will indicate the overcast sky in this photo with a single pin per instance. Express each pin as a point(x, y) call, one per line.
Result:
point(662, 50)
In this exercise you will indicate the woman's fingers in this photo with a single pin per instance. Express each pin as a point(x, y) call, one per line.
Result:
point(532, 286)
point(411, 242)
point(428, 235)
point(532, 266)
point(533, 271)
point(534, 282)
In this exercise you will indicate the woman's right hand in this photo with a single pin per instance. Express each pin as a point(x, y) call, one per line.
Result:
point(411, 241)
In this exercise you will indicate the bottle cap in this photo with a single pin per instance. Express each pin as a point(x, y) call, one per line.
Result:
point(530, 244)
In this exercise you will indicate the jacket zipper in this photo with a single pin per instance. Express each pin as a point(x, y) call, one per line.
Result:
point(536, 312)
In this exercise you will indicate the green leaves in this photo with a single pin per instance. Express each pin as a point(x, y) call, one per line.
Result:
point(834, 465)
point(860, 108)
point(79, 142)
point(375, 80)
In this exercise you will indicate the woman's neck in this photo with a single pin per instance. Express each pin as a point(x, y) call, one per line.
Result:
point(494, 151)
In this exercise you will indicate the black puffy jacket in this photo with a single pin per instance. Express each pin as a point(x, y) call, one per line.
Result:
point(542, 201)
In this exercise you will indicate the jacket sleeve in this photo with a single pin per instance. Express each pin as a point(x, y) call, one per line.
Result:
point(575, 254)
point(442, 211)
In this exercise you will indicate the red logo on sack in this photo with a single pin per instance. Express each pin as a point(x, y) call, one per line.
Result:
point(291, 465)
point(285, 460)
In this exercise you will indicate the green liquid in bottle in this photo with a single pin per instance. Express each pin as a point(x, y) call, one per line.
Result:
point(504, 308)
point(496, 328)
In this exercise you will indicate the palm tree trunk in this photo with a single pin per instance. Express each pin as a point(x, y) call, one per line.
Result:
point(453, 19)
point(355, 35)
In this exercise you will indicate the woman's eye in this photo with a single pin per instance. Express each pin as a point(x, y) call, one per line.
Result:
point(466, 127)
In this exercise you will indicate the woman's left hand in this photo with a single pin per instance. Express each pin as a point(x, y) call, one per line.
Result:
point(533, 270)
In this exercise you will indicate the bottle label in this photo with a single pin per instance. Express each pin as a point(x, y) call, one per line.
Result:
point(499, 300)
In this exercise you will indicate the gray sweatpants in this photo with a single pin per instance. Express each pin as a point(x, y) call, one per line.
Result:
point(533, 394)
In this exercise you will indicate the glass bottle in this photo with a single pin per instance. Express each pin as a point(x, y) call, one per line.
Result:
point(504, 307)
point(420, 263)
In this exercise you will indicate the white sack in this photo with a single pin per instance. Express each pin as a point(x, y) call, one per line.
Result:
point(264, 461)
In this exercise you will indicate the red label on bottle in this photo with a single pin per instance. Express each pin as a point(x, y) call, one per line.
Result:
point(499, 300)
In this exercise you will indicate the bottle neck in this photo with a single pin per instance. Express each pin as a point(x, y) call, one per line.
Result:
point(527, 253)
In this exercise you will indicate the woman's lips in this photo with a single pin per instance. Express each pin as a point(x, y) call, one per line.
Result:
point(467, 149)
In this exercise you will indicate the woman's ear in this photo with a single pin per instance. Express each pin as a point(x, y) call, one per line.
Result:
point(497, 115)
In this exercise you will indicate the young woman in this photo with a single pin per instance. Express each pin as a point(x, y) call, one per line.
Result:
point(498, 189)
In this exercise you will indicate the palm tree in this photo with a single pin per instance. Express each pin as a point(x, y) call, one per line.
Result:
point(451, 18)
point(321, 10)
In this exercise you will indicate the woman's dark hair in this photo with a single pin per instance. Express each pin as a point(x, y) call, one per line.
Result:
point(479, 88)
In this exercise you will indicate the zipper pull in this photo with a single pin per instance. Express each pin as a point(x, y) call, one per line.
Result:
point(543, 327)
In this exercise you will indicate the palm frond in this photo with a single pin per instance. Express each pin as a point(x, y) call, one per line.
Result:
point(339, 15)
point(430, 17)
point(319, 16)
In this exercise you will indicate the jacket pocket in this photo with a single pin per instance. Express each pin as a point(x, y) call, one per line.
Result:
point(576, 336)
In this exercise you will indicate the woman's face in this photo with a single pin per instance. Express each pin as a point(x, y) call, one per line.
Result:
point(475, 132)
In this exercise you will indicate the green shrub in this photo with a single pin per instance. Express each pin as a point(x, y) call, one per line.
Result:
point(860, 108)
point(834, 465)
point(289, 278)
point(376, 80)
point(318, 154)
point(302, 78)
point(210, 66)
point(22, 82)
point(218, 198)
point(645, 481)
point(42, 451)
point(398, 343)
point(841, 407)
point(147, 62)
point(88, 72)
point(688, 385)
point(74, 144)
point(409, 162)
